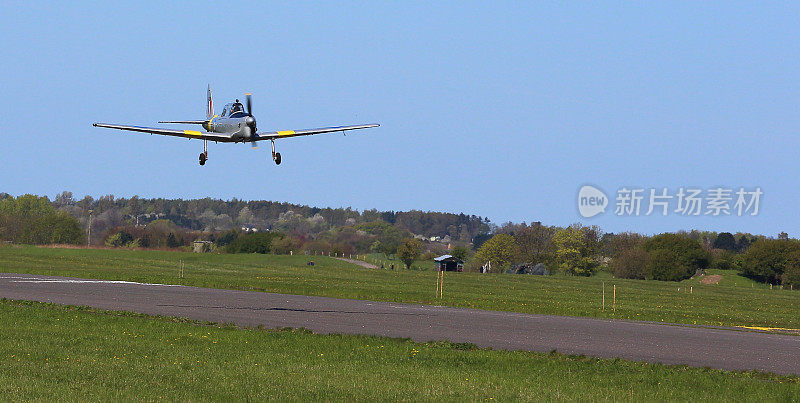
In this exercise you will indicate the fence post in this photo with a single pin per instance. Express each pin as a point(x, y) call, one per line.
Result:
point(441, 289)
point(614, 303)
point(438, 273)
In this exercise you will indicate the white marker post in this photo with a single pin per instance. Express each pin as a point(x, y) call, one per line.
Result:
point(604, 296)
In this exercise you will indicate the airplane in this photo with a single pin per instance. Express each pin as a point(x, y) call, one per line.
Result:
point(233, 125)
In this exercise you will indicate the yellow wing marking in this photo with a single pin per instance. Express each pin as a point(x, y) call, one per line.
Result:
point(285, 133)
point(193, 132)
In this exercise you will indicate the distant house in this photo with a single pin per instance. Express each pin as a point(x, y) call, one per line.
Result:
point(449, 263)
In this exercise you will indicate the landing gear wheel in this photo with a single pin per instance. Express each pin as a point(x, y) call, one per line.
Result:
point(203, 158)
point(277, 158)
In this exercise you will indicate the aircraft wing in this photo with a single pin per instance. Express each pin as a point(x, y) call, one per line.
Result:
point(191, 134)
point(294, 133)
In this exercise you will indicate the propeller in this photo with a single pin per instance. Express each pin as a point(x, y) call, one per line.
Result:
point(249, 104)
point(252, 121)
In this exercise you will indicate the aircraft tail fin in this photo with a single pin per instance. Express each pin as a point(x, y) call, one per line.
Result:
point(210, 105)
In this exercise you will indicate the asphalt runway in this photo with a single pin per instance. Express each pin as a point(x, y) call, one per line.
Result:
point(720, 348)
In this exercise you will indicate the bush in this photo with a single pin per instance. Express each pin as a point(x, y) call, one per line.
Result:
point(150, 236)
point(675, 257)
point(119, 239)
point(767, 260)
point(227, 238)
point(631, 263)
point(628, 259)
point(724, 260)
point(65, 229)
point(258, 242)
point(664, 264)
point(285, 245)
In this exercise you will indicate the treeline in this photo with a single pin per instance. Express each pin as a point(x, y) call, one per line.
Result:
point(214, 216)
point(374, 237)
point(582, 251)
point(33, 220)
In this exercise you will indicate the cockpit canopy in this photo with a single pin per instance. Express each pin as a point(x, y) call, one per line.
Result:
point(233, 110)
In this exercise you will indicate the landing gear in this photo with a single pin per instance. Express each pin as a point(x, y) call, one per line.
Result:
point(275, 156)
point(204, 155)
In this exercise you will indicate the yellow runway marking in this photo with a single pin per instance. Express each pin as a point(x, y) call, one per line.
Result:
point(769, 329)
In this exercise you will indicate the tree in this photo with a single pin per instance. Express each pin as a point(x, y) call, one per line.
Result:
point(246, 216)
point(612, 244)
point(409, 251)
point(628, 259)
point(256, 242)
point(172, 241)
point(31, 219)
point(499, 250)
point(65, 229)
point(575, 250)
point(675, 257)
point(533, 243)
point(119, 239)
point(743, 242)
point(227, 237)
point(631, 263)
point(64, 199)
point(285, 245)
point(791, 274)
point(726, 241)
point(766, 260)
point(460, 253)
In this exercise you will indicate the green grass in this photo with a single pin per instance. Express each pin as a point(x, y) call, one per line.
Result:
point(56, 353)
point(736, 301)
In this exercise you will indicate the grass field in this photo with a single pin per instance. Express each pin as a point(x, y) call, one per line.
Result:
point(736, 301)
point(57, 353)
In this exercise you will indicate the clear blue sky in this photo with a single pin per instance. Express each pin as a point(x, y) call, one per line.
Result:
point(500, 109)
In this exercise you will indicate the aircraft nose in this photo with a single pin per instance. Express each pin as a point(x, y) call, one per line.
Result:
point(251, 123)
